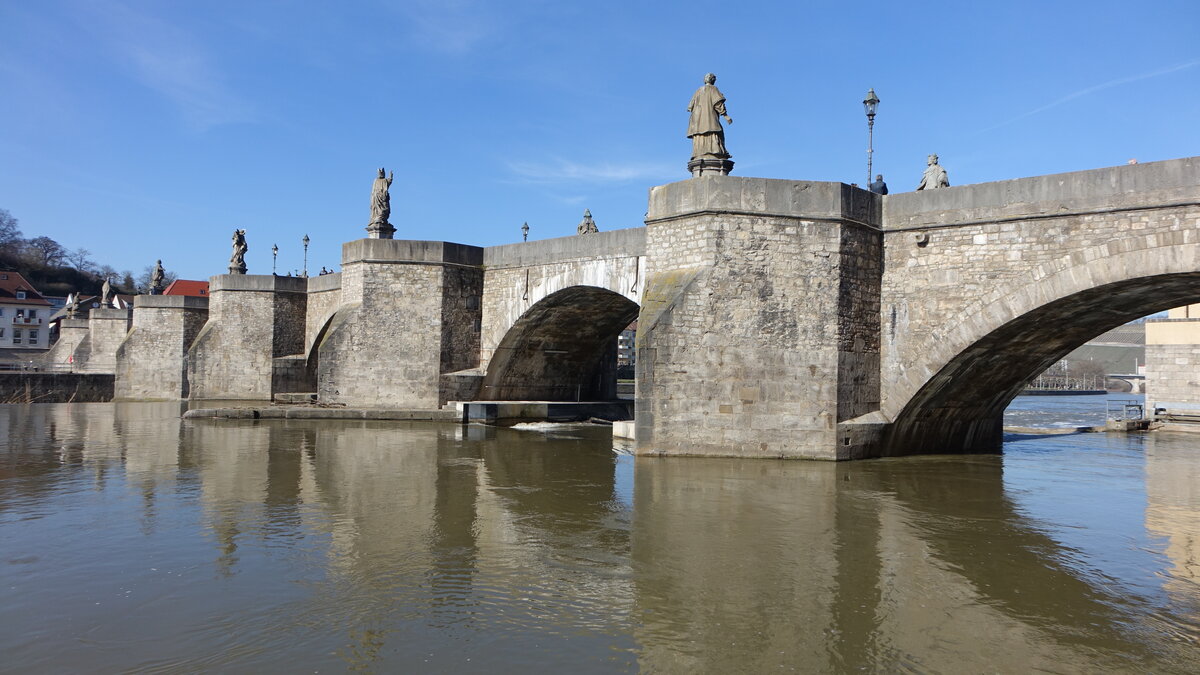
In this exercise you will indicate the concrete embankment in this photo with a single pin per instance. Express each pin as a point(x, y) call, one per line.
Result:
point(34, 387)
point(316, 413)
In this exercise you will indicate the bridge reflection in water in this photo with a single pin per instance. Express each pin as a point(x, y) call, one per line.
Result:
point(134, 540)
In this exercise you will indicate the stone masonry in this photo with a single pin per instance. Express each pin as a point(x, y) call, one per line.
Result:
point(97, 353)
point(751, 342)
point(152, 361)
point(776, 318)
point(71, 333)
point(252, 320)
point(410, 313)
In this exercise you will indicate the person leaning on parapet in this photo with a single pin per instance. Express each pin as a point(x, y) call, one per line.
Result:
point(935, 175)
point(878, 187)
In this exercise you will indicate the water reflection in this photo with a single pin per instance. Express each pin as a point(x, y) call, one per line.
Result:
point(137, 541)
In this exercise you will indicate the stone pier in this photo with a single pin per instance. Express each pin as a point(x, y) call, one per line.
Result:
point(410, 314)
point(97, 353)
point(759, 329)
point(252, 320)
point(152, 361)
point(71, 334)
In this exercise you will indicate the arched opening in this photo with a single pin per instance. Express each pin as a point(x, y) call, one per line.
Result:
point(563, 348)
point(960, 408)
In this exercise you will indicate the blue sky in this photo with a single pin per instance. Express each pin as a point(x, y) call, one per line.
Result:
point(144, 130)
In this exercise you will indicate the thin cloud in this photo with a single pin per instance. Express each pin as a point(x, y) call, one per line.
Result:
point(171, 62)
point(453, 26)
point(565, 171)
point(1094, 89)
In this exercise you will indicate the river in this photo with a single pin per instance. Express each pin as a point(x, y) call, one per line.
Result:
point(133, 541)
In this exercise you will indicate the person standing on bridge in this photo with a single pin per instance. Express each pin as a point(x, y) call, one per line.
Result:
point(935, 176)
point(878, 187)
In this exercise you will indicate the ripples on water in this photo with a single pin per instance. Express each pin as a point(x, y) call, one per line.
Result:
point(134, 541)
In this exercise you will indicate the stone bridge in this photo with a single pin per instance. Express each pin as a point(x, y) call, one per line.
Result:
point(776, 318)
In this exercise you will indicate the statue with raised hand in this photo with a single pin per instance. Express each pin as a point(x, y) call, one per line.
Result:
point(237, 260)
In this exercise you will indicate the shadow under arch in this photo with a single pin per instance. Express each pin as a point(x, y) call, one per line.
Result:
point(960, 408)
point(563, 348)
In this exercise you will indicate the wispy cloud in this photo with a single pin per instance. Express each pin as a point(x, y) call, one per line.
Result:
point(1093, 89)
point(558, 170)
point(172, 62)
point(453, 26)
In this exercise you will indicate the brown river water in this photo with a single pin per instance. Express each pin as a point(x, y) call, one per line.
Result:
point(132, 541)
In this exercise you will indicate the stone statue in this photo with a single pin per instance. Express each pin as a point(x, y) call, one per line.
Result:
point(156, 279)
point(878, 187)
point(72, 305)
point(587, 225)
point(381, 207)
point(704, 128)
point(935, 176)
point(106, 294)
point(237, 261)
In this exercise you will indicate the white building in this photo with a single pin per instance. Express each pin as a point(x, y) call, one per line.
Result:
point(24, 314)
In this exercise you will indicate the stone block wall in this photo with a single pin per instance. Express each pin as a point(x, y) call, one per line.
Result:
point(1173, 363)
point(745, 338)
point(252, 319)
point(410, 314)
point(324, 299)
point(71, 332)
point(107, 328)
point(152, 361)
point(984, 286)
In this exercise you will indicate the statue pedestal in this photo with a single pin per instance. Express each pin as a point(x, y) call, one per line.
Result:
point(237, 269)
point(378, 230)
point(709, 166)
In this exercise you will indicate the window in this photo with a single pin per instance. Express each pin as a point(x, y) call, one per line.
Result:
point(1, 331)
point(20, 313)
point(33, 337)
point(1, 311)
point(16, 336)
point(33, 313)
point(20, 295)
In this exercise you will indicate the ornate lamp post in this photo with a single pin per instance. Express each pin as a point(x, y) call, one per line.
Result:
point(870, 103)
point(525, 232)
point(305, 240)
point(274, 258)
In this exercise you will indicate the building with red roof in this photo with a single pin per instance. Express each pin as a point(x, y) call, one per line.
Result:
point(195, 289)
point(24, 314)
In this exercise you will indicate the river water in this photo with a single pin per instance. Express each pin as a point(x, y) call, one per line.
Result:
point(133, 541)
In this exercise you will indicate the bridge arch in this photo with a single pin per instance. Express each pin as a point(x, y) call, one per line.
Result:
point(952, 398)
point(560, 348)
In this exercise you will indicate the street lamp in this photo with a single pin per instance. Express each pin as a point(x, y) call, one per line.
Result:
point(274, 258)
point(525, 232)
point(305, 240)
point(870, 103)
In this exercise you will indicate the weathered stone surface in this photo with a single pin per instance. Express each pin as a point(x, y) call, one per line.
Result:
point(1012, 276)
point(749, 332)
point(71, 333)
point(33, 387)
point(252, 320)
point(151, 363)
point(107, 327)
point(409, 314)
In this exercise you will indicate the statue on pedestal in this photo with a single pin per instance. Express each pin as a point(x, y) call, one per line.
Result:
point(704, 128)
point(106, 294)
point(381, 208)
point(237, 261)
point(72, 305)
point(156, 279)
point(587, 225)
point(935, 176)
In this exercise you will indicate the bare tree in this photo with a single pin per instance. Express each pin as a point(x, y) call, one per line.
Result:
point(81, 259)
point(10, 234)
point(45, 252)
